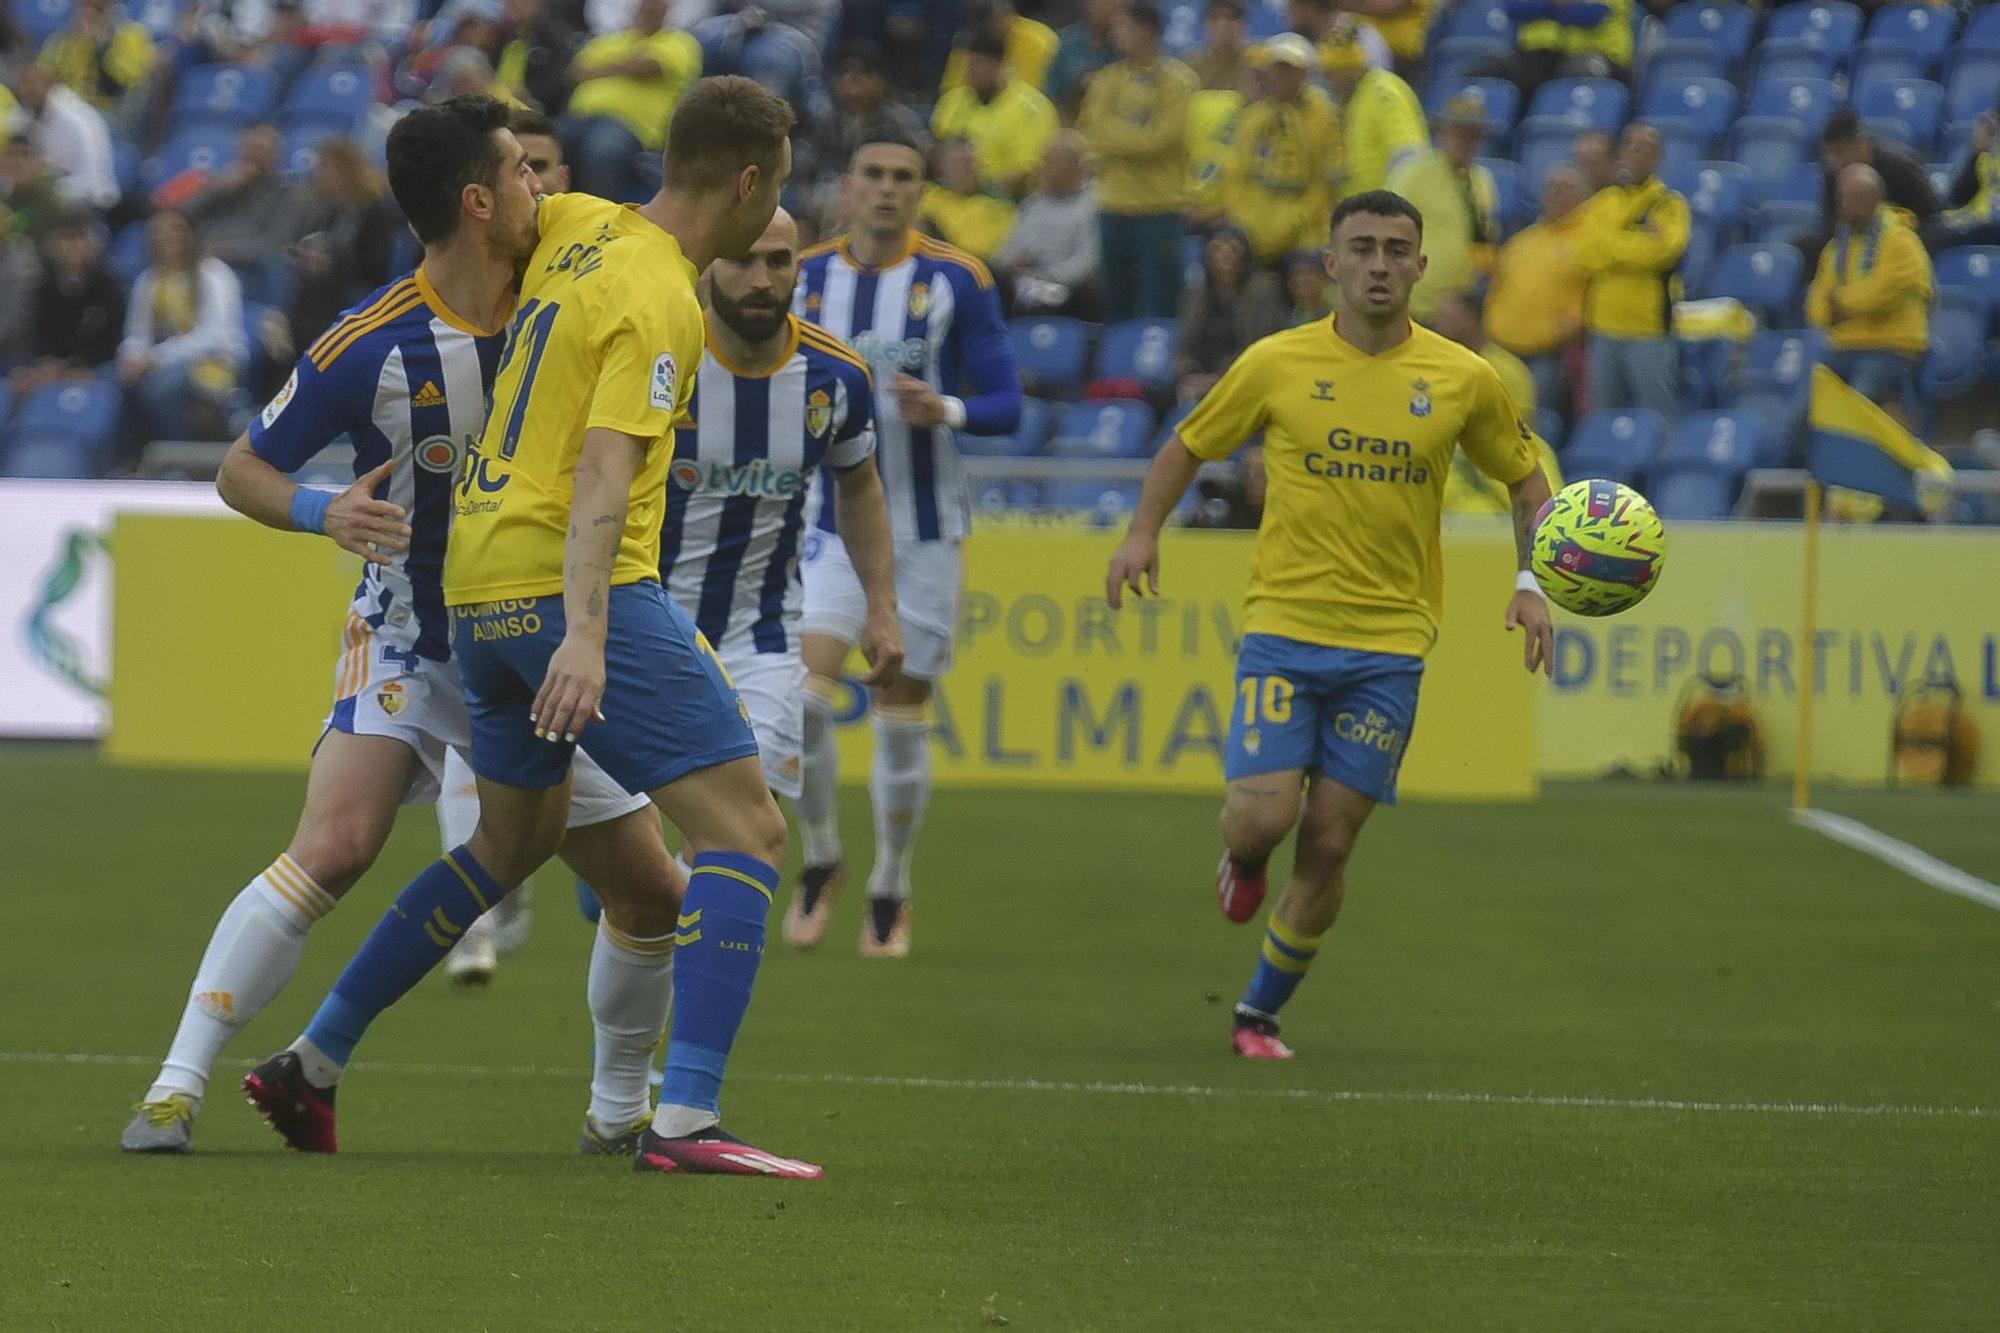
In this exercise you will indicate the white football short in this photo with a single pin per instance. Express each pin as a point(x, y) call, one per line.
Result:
point(930, 582)
point(380, 691)
point(773, 687)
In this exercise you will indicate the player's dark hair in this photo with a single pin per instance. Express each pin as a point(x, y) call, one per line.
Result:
point(1843, 126)
point(886, 131)
point(527, 120)
point(435, 152)
point(724, 124)
point(1378, 204)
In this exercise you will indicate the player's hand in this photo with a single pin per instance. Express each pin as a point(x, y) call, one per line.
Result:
point(1136, 555)
point(882, 648)
point(572, 690)
point(1529, 611)
point(918, 403)
point(373, 529)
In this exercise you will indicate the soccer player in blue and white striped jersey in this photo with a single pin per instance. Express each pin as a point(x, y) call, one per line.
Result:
point(926, 318)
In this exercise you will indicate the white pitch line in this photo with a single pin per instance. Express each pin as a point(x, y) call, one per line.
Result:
point(1564, 1101)
point(1915, 862)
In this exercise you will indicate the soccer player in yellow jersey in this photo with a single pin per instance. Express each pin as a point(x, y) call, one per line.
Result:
point(1360, 415)
point(563, 633)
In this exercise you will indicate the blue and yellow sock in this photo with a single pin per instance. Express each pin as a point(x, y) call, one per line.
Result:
point(416, 933)
point(1287, 955)
point(716, 953)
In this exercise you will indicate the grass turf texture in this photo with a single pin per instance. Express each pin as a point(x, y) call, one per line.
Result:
point(1632, 942)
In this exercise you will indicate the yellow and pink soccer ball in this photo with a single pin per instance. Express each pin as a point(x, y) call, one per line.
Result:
point(1598, 548)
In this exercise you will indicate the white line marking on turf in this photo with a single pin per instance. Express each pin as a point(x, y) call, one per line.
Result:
point(1588, 1102)
point(1912, 861)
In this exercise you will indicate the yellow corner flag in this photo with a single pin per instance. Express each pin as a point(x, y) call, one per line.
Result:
point(1857, 445)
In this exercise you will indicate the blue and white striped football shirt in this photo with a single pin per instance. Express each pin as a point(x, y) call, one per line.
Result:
point(736, 490)
point(401, 377)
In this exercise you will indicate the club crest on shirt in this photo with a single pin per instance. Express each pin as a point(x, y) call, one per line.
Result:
point(812, 303)
point(666, 376)
point(1420, 398)
point(920, 300)
point(819, 413)
point(391, 698)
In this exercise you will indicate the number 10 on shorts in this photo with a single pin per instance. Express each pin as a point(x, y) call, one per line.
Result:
point(1273, 693)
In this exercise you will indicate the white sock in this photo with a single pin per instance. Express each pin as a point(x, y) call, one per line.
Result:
point(677, 1122)
point(631, 988)
point(900, 785)
point(819, 796)
point(319, 1068)
point(252, 954)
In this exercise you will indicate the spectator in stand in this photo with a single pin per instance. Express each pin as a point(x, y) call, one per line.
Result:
point(1467, 490)
point(777, 43)
point(860, 100)
point(956, 206)
point(535, 49)
point(1596, 155)
point(1629, 241)
point(20, 275)
point(1321, 23)
point(1382, 121)
point(1233, 305)
point(106, 59)
point(1459, 202)
point(249, 216)
point(1031, 46)
point(1872, 295)
point(1135, 117)
point(28, 189)
point(16, 50)
point(1225, 48)
point(1973, 217)
point(1306, 286)
point(345, 232)
point(627, 85)
point(1050, 264)
point(1009, 123)
point(1286, 159)
point(465, 71)
point(1211, 137)
point(183, 349)
point(1534, 307)
point(1843, 143)
point(71, 134)
point(79, 308)
point(1568, 38)
point(1086, 47)
point(384, 23)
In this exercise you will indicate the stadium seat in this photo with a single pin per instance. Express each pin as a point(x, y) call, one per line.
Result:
point(1582, 104)
point(1675, 62)
point(994, 495)
point(1517, 208)
point(1768, 147)
point(1982, 30)
point(1956, 141)
point(233, 95)
point(1025, 442)
point(1809, 101)
point(301, 151)
point(1170, 422)
point(1916, 104)
point(1888, 64)
point(1697, 259)
point(1264, 18)
point(1974, 86)
point(1801, 183)
point(128, 167)
point(64, 430)
point(1922, 29)
point(1785, 222)
point(1957, 364)
point(1541, 143)
point(1474, 18)
point(1976, 268)
point(1781, 359)
point(1795, 60)
point(1139, 349)
point(1501, 99)
point(1705, 363)
point(1705, 105)
point(1052, 351)
point(1549, 425)
point(199, 149)
point(1108, 503)
point(1717, 192)
point(1727, 27)
point(1780, 417)
point(1115, 428)
point(1181, 28)
point(331, 91)
point(1703, 465)
point(126, 256)
point(37, 20)
point(160, 17)
point(1767, 278)
point(1831, 27)
point(1613, 445)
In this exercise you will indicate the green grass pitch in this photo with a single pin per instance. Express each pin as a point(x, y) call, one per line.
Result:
point(1508, 1110)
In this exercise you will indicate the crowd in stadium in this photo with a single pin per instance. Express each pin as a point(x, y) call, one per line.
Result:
point(1653, 218)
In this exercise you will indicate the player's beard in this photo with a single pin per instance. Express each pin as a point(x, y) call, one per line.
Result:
point(754, 324)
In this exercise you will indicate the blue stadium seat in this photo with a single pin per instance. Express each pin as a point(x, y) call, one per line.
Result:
point(1717, 192)
point(1728, 27)
point(1682, 144)
point(64, 430)
point(1974, 86)
point(1888, 64)
point(1170, 422)
point(224, 95)
point(1767, 278)
point(1795, 60)
point(1781, 359)
point(1474, 18)
point(1613, 445)
point(1780, 415)
point(1832, 27)
point(198, 149)
point(1112, 428)
point(1109, 503)
point(1811, 102)
point(1768, 146)
point(1982, 30)
point(1549, 425)
point(994, 495)
point(1517, 209)
point(1698, 258)
point(126, 256)
point(128, 166)
point(1785, 222)
point(1585, 104)
point(1501, 99)
point(160, 17)
point(1052, 351)
point(1976, 268)
point(1705, 105)
point(331, 91)
point(1916, 104)
point(1800, 183)
point(38, 19)
point(1264, 18)
point(1957, 364)
point(1454, 58)
point(1673, 62)
point(1956, 140)
point(1140, 349)
point(1182, 25)
point(1026, 441)
point(1921, 28)
point(1541, 143)
point(1704, 463)
point(1705, 364)
point(301, 152)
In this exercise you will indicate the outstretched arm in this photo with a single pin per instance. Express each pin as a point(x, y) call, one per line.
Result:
point(574, 686)
point(1167, 480)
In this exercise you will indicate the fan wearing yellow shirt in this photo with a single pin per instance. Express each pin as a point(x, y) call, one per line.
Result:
point(1360, 415)
point(627, 85)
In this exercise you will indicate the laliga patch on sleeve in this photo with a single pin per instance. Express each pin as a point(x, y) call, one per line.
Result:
point(666, 375)
point(278, 401)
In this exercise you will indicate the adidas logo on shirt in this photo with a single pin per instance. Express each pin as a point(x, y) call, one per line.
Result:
point(428, 396)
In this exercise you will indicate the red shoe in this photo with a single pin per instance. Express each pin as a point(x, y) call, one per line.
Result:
point(1257, 1039)
point(710, 1152)
point(301, 1113)
point(1239, 888)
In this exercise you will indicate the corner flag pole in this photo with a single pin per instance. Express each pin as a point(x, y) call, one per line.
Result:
point(1809, 653)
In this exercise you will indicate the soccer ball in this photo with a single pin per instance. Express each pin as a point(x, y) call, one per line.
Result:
point(1598, 548)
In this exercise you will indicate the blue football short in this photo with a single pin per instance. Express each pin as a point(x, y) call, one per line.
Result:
point(669, 708)
point(1338, 711)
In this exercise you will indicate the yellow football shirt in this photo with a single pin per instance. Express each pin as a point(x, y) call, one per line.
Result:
point(608, 334)
point(1356, 449)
